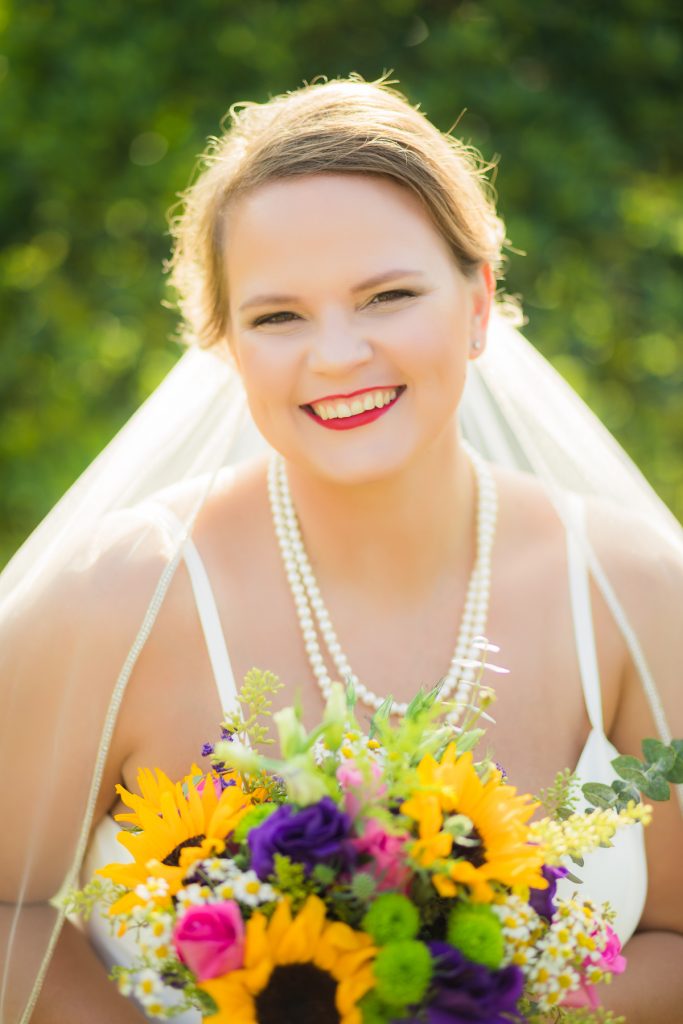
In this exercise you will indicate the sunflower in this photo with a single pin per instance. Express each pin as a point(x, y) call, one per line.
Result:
point(151, 785)
point(320, 967)
point(500, 848)
point(180, 824)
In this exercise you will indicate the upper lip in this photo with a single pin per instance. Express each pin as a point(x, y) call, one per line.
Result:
point(352, 394)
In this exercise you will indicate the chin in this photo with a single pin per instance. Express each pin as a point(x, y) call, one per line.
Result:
point(356, 465)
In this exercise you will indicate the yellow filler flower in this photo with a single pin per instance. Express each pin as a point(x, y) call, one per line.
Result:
point(503, 849)
point(180, 825)
point(288, 959)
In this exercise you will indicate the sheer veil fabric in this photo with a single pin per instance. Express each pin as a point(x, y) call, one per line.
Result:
point(517, 411)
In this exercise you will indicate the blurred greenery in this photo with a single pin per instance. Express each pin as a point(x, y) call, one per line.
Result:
point(105, 108)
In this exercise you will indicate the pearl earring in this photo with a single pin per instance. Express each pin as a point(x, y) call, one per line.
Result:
point(476, 344)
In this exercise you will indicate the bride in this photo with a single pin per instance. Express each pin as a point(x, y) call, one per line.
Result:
point(336, 261)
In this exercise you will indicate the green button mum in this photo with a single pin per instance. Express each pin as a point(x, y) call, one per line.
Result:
point(474, 929)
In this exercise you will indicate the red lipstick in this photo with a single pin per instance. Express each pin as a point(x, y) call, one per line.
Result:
point(359, 420)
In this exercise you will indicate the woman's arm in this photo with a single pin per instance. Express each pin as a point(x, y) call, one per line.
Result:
point(651, 989)
point(651, 589)
point(60, 656)
point(77, 989)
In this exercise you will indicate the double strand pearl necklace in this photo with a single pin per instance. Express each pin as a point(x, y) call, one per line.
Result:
point(309, 603)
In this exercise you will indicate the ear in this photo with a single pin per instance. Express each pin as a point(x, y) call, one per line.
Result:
point(483, 290)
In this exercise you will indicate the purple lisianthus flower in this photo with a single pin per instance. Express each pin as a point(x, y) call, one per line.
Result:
point(467, 993)
point(541, 900)
point(316, 834)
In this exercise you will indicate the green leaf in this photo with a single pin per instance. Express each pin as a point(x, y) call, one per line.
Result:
point(468, 740)
point(656, 788)
point(626, 761)
point(630, 768)
point(675, 773)
point(324, 874)
point(653, 750)
point(658, 755)
point(598, 794)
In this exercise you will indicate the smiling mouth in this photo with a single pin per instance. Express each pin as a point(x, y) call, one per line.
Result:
point(356, 410)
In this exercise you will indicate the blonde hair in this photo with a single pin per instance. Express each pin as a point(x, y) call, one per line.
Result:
point(344, 125)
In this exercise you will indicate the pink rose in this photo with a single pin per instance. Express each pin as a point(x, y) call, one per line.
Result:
point(610, 960)
point(210, 939)
point(386, 855)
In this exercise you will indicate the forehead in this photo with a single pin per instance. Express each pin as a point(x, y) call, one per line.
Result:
point(341, 224)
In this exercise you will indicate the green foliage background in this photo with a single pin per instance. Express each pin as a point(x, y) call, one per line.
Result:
point(105, 107)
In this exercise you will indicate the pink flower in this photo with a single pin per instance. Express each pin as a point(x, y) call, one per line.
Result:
point(583, 996)
point(209, 939)
point(385, 851)
point(357, 789)
point(216, 784)
point(610, 960)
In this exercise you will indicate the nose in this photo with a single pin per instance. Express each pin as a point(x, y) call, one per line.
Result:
point(338, 349)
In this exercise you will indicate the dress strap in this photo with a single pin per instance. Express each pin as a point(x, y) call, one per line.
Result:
point(584, 632)
point(206, 606)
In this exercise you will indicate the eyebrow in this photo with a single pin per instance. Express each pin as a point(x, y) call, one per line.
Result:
point(370, 282)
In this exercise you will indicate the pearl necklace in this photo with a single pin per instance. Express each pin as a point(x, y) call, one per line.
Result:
point(308, 600)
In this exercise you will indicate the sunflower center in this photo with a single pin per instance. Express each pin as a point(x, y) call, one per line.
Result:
point(475, 854)
point(173, 859)
point(298, 991)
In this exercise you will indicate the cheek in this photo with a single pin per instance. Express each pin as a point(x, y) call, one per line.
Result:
point(436, 356)
point(269, 380)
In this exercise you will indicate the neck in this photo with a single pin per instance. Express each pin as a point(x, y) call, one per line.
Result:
point(398, 535)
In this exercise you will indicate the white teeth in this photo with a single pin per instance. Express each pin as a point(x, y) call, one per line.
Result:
point(364, 403)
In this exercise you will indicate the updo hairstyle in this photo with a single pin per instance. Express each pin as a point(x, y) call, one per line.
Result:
point(340, 126)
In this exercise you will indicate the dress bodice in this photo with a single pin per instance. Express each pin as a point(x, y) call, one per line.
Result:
point(618, 875)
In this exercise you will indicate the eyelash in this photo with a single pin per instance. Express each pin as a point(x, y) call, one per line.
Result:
point(270, 319)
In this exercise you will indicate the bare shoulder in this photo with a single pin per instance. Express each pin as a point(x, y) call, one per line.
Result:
point(528, 521)
point(637, 556)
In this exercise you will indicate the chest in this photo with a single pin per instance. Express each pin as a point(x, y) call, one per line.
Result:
point(541, 722)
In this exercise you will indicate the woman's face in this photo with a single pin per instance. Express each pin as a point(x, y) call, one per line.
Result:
point(344, 298)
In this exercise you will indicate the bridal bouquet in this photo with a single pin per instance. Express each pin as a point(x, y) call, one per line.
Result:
point(356, 879)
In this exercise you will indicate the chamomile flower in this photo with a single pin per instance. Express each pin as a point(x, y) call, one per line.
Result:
point(153, 890)
point(148, 986)
point(194, 895)
point(250, 890)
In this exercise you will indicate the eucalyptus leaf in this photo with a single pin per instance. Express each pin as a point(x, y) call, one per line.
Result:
point(656, 788)
point(653, 750)
point(675, 773)
point(626, 762)
point(598, 794)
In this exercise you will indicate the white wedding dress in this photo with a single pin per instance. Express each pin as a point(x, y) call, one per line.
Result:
point(618, 875)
